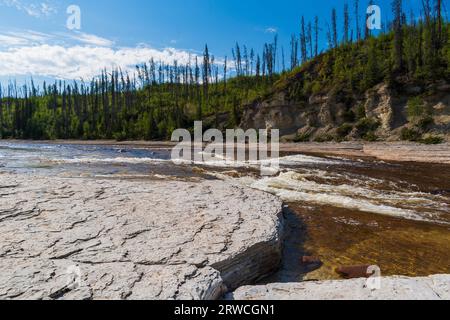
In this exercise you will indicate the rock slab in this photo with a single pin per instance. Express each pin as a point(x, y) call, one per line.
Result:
point(435, 287)
point(79, 238)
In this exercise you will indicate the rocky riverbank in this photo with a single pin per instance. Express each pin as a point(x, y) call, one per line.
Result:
point(388, 151)
point(110, 239)
point(83, 238)
point(391, 288)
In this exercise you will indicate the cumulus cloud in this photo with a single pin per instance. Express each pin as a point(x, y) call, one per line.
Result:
point(73, 55)
point(35, 9)
point(79, 61)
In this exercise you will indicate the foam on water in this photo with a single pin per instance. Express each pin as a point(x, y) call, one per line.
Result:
point(117, 160)
point(221, 161)
point(294, 187)
point(303, 159)
point(301, 178)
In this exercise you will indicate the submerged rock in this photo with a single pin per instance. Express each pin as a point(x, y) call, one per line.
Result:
point(114, 239)
point(309, 263)
point(310, 260)
point(354, 272)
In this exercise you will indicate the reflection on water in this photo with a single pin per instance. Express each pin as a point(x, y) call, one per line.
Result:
point(344, 212)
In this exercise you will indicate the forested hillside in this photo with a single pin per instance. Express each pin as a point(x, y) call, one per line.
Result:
point(147, 104)
point(392, 87)
point(409, 59)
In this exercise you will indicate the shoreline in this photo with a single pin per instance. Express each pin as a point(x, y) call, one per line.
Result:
point(384, 151)
point(433, 287)
point(124, 257)
point(133, 240)
point(228, 270)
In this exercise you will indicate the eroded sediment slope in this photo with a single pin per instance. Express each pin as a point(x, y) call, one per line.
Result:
point(132, 239)
point(392, 288)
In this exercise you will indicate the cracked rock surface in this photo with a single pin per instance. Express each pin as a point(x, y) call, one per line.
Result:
point(435, 287)
point(76, 238)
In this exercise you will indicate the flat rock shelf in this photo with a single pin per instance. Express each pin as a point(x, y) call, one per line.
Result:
point(435, 287)
point(77, 238)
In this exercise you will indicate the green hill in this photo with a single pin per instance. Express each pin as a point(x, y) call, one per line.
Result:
point(393, 86)
point(359, 91)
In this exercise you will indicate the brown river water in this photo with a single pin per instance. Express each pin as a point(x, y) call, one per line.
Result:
point(344, 212)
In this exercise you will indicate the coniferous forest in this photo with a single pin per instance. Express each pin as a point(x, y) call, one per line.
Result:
point(158, 98)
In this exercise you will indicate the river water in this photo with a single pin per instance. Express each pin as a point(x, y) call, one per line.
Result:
point(343, 211)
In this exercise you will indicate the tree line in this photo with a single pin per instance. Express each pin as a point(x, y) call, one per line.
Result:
point(158, 98)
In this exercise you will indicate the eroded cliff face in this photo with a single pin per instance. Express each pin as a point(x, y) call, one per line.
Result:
point(381, 113)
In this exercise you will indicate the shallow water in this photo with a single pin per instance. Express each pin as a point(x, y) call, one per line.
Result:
point(345, 212)
point(91, 161)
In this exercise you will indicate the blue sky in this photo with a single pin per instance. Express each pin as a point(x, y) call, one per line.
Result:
point(34, 39)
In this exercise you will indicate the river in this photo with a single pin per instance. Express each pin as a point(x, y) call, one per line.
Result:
point(343, 211)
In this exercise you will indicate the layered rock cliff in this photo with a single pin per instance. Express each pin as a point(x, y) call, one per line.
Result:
point(408, 112)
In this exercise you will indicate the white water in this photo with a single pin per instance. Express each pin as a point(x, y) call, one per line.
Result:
point(217, 161)
point(303, 179)
point(293, 186)
point(107, 160)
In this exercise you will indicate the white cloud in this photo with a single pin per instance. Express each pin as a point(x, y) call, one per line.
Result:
point(91, 39)
point(10, 40)
point(23, 38)
point(271, 30)
point(79, 61)
point(31, 35)
point(28, 38)
point(35, 9)
point(47, 9)
point(74, 55)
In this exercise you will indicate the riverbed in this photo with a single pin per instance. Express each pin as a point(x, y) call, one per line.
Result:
point(343, 210)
